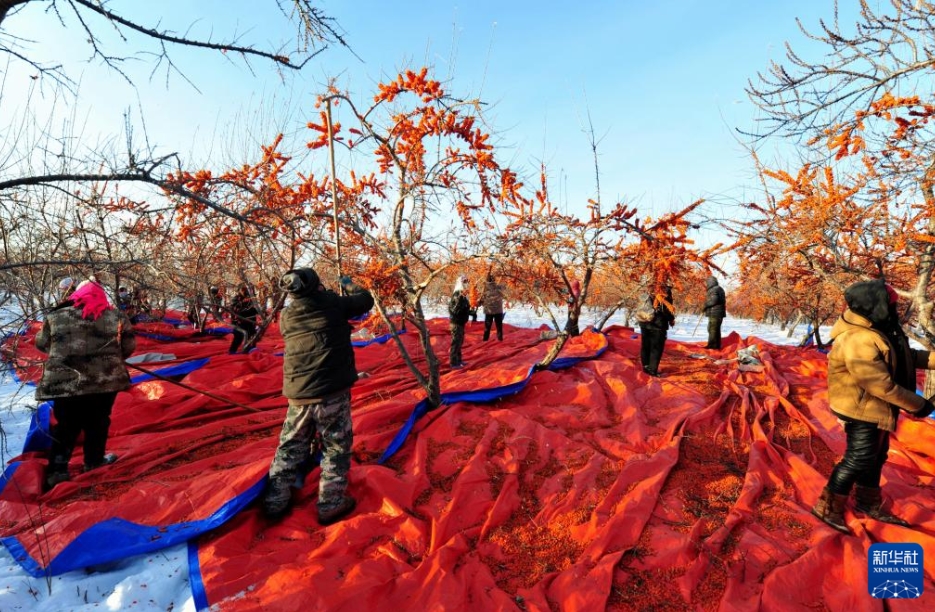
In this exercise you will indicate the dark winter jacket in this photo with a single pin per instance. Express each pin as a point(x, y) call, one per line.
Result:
point(85, 356)
point(243, 311)
point(459, 309)
point(714, 303)
point(663, 317)
point(871, 367)
point(319, 357)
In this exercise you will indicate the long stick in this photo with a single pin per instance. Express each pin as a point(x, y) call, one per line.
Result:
point(697, 323)
point(334, 191)
point(190, 388)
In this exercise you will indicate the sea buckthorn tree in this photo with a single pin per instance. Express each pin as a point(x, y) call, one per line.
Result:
point(419, 179)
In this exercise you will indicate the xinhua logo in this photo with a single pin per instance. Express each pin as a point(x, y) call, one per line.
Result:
point(894, 571)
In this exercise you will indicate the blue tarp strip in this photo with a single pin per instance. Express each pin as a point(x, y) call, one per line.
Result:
point(215, 331)
point(38, 437)
point(186, 367)
point(195, 581)
point(8, 474)
point(480, 395)
point(127, 539)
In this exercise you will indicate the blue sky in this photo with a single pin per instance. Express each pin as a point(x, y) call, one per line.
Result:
point(663, 82)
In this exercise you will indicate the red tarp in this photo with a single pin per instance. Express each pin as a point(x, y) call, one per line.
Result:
point(592, 488)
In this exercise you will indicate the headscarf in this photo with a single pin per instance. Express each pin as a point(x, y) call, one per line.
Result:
point(91, 299)
point(460, 283)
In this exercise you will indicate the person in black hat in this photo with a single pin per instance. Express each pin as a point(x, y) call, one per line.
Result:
point(318, 372)
point(871, 377)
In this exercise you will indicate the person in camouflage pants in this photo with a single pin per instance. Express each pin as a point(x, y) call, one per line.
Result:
point(330, 418)
point(318, 371)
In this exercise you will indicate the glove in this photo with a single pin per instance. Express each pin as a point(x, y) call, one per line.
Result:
point(345, 281)
point(927, 409)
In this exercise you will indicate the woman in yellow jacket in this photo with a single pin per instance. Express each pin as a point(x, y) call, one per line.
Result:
point(871, 377)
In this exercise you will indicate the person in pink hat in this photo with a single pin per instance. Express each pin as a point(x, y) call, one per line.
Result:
point(87, 341)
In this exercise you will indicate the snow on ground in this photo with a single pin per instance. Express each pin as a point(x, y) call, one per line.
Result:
point(160, 581)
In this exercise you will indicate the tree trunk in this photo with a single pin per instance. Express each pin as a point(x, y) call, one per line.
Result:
point(613, 309)
point(571, 325)
point(795, 323)
point(816, 331)
point(554, 350)
point(928, 388)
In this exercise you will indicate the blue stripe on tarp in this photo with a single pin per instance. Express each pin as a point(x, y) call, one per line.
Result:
point(7, 475)
point(186, 367)
point(195, 581)
point(214, 331)
point(126, 539)
point(480, 395)
point(38, 436)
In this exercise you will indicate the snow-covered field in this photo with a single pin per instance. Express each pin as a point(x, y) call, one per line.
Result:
point(160, 581)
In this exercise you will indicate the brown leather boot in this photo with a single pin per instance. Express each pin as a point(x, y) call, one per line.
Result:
point(870, 502)
point(830, 509)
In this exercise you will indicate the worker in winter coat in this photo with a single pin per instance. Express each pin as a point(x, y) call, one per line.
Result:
point(653, 333)
point(715, 310)
point(87, 340)
point(243, 317)
point(458, 312)
point(871, 377)
point(493, 307)
point(318, 372)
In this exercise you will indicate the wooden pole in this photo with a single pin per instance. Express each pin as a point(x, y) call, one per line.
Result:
point(334, 191)
point(697, 323)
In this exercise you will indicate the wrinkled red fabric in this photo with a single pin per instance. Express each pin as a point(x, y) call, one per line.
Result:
point(593, 488)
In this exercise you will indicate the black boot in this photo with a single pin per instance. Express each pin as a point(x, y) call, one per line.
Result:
point(830, 509)
point(55, 473)
point(870, 502)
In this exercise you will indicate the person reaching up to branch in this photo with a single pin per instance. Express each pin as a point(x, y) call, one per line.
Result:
point(654, 328)
point(318, 372)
